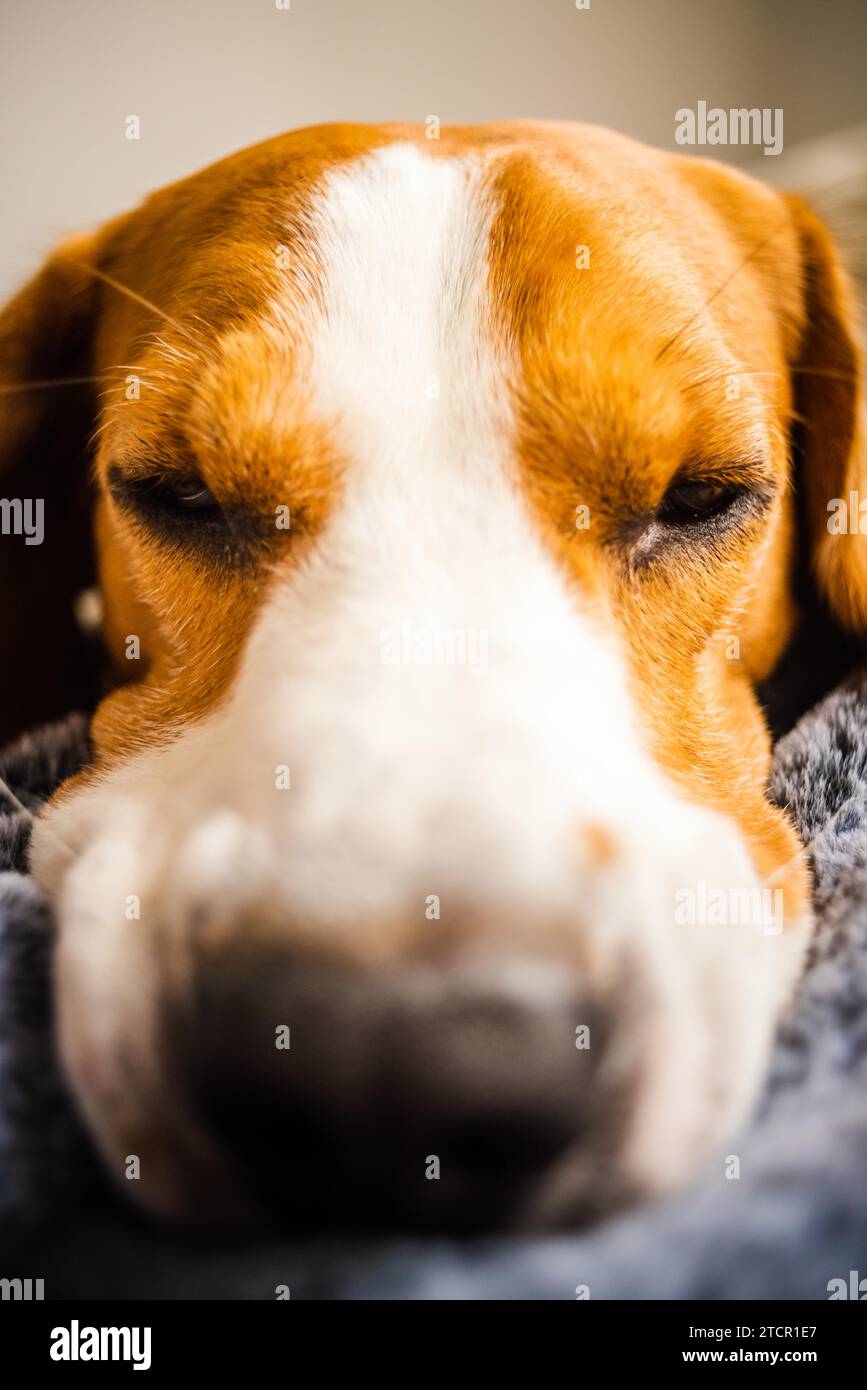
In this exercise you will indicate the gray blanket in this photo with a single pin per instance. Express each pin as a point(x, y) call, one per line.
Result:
point(794, 1220)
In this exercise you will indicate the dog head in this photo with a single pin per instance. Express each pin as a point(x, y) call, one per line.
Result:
point(447, 511)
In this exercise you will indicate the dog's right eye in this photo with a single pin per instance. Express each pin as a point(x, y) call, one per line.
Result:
point(177, 504)
point(192, 494)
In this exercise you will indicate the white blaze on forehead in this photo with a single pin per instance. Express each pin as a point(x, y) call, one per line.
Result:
point(402, 238)
point(447, 712)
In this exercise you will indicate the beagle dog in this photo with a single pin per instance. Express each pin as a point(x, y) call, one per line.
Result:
point(448, 499)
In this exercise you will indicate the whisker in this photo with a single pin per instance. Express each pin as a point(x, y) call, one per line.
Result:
point(722, 286)
point(49, 385)
point(132, 294)
point(10, 796)
point(723, 373)
point(824, 371)
point(171, 349)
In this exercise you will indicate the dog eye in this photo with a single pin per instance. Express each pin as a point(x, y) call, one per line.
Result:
point(696, 501)
point(192, 494)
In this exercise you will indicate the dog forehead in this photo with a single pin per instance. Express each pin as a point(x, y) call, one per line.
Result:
point(386, 260)
point(399, 263)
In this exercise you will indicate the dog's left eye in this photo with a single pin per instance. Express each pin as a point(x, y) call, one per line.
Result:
point(696, 501)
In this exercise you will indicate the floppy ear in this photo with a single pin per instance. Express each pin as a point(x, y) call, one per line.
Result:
point(46, 336)
point(831, 457)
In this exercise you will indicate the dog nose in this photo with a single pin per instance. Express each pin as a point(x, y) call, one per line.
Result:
point(424, 1097)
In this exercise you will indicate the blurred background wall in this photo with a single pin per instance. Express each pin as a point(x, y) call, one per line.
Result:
point(206, 77)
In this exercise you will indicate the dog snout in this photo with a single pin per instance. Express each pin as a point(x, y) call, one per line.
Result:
point(373, 1018)
point(429, 1096)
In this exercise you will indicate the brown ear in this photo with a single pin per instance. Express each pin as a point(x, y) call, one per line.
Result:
point(829, 390)
point(46, 336)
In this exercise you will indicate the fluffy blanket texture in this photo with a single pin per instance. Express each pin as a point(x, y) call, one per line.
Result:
point(794, 1219)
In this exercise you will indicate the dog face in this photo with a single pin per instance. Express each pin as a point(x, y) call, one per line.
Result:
point(446, 521)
